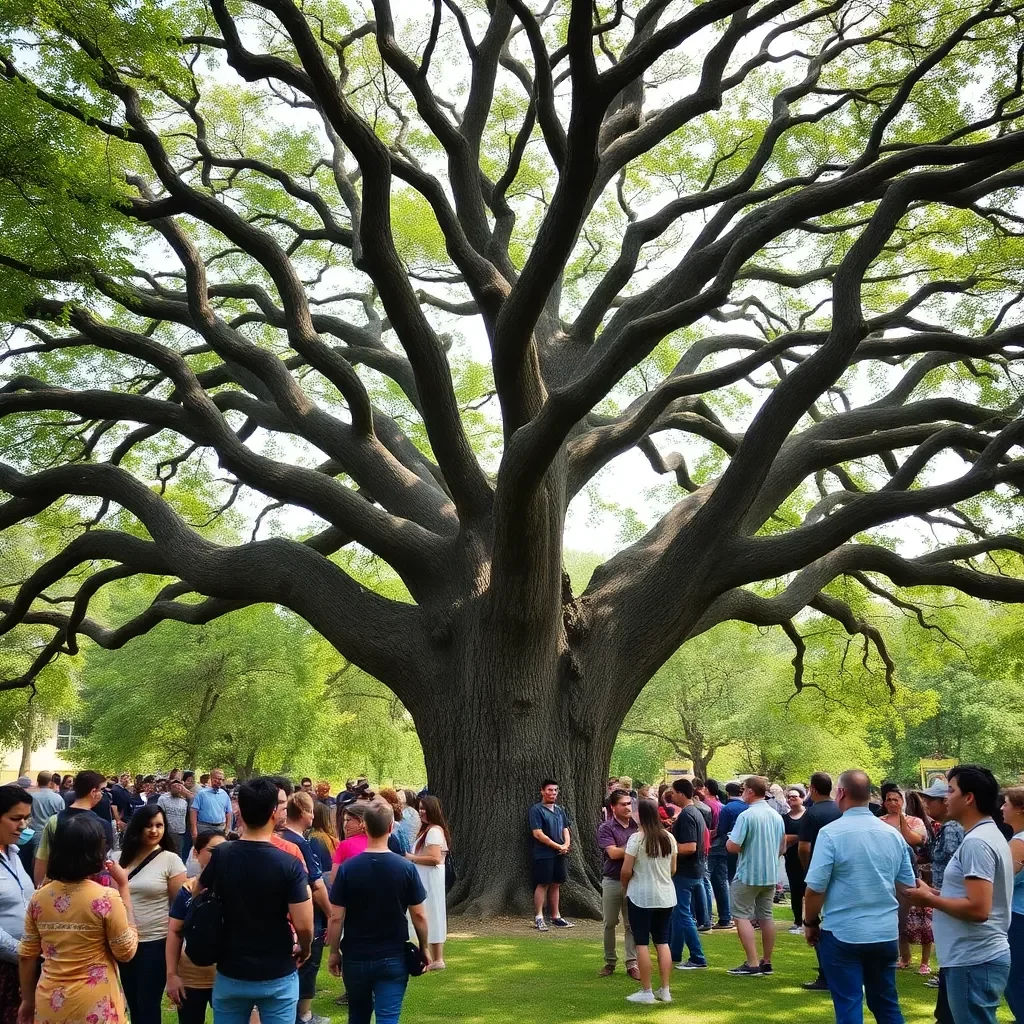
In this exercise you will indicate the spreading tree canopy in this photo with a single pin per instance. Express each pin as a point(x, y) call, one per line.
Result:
point(410, 276)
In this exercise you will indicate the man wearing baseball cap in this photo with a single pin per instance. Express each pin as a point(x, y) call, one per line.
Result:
point(947, 842)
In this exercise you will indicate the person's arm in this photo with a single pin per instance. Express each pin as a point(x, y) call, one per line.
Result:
point(174, 883)
point(539, 835)
point(320, 898)
point(975, 906)
point(566, 839)
point(1017, 855)
point(418, 916)
point(627, 870)
point(911, 835)
point(28, 975)
point(172, 957)
point(302, 921)
point(334, 927)
point(814, 901)
point(227, 815)
point(803, 851)
point(430, 856)
point(606, 842)
point(193, 822)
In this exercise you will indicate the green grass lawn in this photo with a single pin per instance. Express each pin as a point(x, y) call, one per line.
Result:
point(509, 974)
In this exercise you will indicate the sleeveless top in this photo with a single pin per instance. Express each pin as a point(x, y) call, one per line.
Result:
point(1018, 884)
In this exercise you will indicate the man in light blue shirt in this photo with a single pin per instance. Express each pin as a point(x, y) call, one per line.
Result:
point(851, 909)
point(972, 911)
point(211, 807)
point(757, 838)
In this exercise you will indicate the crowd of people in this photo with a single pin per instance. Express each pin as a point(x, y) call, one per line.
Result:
point(107, 882)
point(871, 874)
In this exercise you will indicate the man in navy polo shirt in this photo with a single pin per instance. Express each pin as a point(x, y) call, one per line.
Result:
point(549, 825)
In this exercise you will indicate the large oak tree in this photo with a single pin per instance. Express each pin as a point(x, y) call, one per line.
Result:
point(774, 247)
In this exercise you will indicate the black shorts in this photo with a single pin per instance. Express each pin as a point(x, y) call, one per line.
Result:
point(649, 924)
point(309, 970)
point(549, 869)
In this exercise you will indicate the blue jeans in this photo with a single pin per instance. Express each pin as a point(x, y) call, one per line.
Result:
point(707, 906)
point(718, 869)
point(1015, 986)
point(234, 998)
point(684, 927)
point(974, 992)
point(143, 979)
point(375, 987)
point(859, 971)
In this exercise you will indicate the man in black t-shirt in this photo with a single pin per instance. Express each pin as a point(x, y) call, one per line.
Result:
point(260, 889)
point(691, 833)
point(370, 896)
point(823, 811)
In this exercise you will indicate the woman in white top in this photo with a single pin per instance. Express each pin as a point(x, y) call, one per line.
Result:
point(1013, 815)
point(428, 855)
point(16, 890)
point(155, 874)
point(647, 870)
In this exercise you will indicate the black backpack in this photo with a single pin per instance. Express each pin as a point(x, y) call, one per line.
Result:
point(203, 929)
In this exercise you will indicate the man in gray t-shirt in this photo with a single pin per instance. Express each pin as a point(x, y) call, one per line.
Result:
point(972, 911)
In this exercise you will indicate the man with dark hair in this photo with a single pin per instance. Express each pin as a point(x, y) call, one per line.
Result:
point(370, 897)
point(822, 811)
point(260, 889)
point(306, 785)
point(708, 794)
point(612, 835)
point(972, 911)
point(721, 864)
point(690, 831)
point(549, 826)
point(758, 839)
point(88, 792)
point(851, 907)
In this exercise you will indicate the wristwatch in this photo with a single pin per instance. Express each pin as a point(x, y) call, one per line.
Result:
point(816, 923)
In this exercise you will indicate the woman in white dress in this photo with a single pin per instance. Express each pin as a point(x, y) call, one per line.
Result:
point(428, 855)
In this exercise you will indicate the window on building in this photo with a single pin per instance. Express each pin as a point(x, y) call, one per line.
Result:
point(66, 737)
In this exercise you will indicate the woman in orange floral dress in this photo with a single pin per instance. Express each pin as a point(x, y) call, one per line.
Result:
point(81, 929)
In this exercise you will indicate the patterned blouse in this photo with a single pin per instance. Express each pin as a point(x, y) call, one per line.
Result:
point(81, 930)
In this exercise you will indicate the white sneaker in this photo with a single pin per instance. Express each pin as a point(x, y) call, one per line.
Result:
point(643, 996)
point(796, 930)
point(663, 995)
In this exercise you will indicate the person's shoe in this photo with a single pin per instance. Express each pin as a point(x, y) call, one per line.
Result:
point(643, 996)
point(663, 995)
point(342, 1000)
point(607, 971)
point(766, 967)
point(727, 927)
point(691, 965)
point(796, 930)
point(932, 983)
point(540, 924)
point(924, 969)
point(745, 971)
point(633, 971)
point(435, 965)
point(313, 1019)
point(704, 928)
point(818, 985)
point(560, 922)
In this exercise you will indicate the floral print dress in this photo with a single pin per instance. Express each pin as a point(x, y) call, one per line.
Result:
point(81, 930)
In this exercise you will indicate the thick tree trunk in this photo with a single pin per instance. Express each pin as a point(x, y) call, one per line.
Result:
point(509, 718)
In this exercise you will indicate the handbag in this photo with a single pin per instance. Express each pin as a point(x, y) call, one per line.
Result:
point(203, 929)
point(414, 962)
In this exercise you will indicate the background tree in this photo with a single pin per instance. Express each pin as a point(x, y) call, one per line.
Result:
point(264, 248)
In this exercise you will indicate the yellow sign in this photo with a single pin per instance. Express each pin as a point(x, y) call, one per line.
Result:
point(678, 770)
point(933, 768)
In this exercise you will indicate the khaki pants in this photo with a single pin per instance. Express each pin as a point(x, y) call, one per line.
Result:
point(613, 907)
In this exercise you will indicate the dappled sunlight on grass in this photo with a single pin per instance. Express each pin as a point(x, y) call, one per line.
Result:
point(531, 978)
